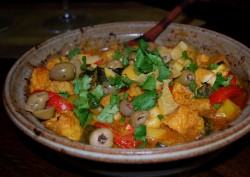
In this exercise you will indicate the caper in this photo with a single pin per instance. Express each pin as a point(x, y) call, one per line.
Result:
point(186, 77)
point(36, 101)
point(139, 118)
point(102, 137)
point(63, 71)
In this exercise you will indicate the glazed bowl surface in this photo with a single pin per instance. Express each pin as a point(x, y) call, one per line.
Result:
point(207, 41)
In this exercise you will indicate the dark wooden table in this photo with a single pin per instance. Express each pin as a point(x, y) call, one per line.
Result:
point(20, 156)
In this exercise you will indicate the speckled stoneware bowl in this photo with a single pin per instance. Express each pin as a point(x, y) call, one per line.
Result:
point(208, 41)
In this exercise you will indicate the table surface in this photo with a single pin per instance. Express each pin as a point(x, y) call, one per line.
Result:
point(22, 156)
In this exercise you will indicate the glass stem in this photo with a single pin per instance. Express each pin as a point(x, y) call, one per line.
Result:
point(66, 14)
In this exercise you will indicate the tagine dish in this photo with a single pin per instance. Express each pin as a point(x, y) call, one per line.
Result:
point(145, 95)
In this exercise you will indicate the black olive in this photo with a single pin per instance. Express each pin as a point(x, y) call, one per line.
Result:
point(205, 90)
point(101, 77)
point(126, 108)
point(139, 118)
point(160, 145)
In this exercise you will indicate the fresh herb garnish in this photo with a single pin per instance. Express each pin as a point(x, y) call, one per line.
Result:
point(140, 133)
point(145, 101)
point(221, 81)
point(74, 52)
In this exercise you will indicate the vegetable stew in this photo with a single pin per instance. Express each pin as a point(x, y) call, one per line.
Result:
point(141, 96)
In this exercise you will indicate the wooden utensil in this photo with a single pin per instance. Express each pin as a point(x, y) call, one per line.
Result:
point(154, 32)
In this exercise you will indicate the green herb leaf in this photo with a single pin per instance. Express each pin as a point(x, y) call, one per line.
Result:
point(140, 133)
point(149, 84)
point(64, 95)
point(164, 73)
point(192, 86)
point(107, 114)
point(221, 81)
point(81, 84)
point(160, 116)
point(213, 66)
point(98, 92)
point(74, 52)
point(84, 116)
point(145, 101)
point(117, 55)
point(84, 63)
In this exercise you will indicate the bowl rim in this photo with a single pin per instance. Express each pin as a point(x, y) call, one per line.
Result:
point(115, 155)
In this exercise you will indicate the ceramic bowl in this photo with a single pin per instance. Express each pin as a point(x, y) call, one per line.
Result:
point(206, 40)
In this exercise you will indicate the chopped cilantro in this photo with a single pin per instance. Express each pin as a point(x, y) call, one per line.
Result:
point(216, 106)
point(212, 66)
point(142, 63)
point(221, 81)
point(125, 61)
point(143, 45)
point(192, 86)
point(107, 114)
point(83, 115)
point(64, 95)
point(160, 116)
point(82, 83)
point(115, 99)
point(140, 133)
point(82, 102)
point(74, 52)
point(117, 55)
point(145, 101)
point(98, 92)
point(149, 84)
point(164, 73)
point(192, 67)
point(84, 65)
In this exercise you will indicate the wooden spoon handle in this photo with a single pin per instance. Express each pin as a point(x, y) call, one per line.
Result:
point(154, 32)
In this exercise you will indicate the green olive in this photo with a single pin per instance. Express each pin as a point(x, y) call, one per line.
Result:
point(63, 71)
point(186, 77)
point(36, 101)
point(78, 64)
point(102, 137)
point(44, 114)
point(114, 64)
point(139, 118)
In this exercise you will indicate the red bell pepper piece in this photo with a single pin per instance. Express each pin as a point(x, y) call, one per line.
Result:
point(124, 141)
point(223, 93)
point(60, 103)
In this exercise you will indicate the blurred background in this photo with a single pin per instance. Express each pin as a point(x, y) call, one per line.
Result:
point(26, 27)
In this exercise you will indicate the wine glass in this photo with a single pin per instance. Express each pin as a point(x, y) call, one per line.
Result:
point(66, 21)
